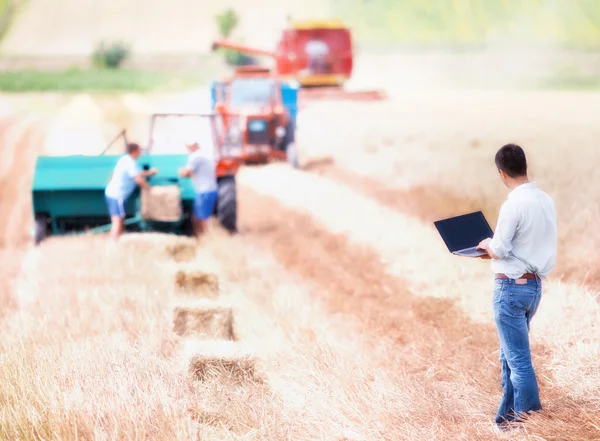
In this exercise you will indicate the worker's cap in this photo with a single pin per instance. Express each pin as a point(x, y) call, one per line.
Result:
point(190, 140)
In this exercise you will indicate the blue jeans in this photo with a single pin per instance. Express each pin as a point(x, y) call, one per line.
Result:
point(514, 307)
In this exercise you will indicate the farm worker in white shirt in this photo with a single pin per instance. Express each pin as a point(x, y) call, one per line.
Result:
point(317, 51)
point(123, 181)
point(202, 169)
point(523, 253)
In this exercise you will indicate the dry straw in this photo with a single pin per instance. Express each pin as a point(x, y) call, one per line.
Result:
point(203, 319)
point(207, 359)
point(162, 203)
point(181, 251)
point(197, 283)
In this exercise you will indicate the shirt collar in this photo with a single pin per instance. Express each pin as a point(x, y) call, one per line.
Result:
point(526, 186)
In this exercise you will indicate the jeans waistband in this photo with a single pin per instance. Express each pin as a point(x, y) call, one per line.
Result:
point(524, 276)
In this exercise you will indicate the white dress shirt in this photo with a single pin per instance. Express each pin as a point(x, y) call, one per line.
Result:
point(525, 239)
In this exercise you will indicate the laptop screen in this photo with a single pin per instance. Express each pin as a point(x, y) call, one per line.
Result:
point(464, 231)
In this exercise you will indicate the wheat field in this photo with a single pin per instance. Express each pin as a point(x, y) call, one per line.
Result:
point(364, 326)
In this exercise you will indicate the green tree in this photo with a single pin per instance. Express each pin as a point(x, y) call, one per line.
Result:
point(227, 21)
point(110, 56)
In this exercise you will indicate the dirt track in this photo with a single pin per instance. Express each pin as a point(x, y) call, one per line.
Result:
point(20, 142)
point(433, 341)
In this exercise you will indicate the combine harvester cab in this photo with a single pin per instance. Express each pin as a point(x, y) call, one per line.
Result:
point(259, 112)
point(68, 191)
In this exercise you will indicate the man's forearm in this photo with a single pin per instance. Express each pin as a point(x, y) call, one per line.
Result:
point(490, 252)
point(142, 182)
point(185, 172)
point(484, 245)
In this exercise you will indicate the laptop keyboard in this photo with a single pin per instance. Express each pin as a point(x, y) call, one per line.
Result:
point(470, 252)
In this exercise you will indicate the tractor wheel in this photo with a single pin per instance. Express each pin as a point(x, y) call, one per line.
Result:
point(227, 204)
point(292, 155)
point(42, 229)
point(289, 141)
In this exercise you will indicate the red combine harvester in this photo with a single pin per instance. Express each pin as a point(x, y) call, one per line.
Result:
point(317, 54)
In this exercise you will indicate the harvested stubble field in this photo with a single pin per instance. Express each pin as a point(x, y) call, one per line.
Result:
point(364, 327)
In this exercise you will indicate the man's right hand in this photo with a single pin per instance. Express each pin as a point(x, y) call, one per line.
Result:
point(142, 182)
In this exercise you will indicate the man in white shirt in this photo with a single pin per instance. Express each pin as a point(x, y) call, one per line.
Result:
point(523, 253)
point(317, 51)
point(202, 169)
point(123, 181)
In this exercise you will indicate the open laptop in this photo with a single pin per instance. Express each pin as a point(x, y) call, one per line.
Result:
point(462, 234)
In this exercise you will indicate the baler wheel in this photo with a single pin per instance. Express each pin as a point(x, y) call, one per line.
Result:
point(227, 204)
point(187, 227)
point(41, 228)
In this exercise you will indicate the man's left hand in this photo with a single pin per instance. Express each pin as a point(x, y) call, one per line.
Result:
point(483, 245)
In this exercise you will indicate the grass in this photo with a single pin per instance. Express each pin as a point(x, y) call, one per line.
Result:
point(473, 23)
point(3, 6)
point(5, 16)
point(94, 80)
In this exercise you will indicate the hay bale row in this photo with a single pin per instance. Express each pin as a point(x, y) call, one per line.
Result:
point(210, 348)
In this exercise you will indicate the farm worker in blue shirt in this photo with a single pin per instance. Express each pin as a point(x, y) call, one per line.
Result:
point(122, 183)
point(202, 169)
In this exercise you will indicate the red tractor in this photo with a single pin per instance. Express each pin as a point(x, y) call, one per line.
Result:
point(258, 112)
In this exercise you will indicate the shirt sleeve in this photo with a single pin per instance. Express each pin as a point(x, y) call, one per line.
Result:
point(508, 220)
point(193, 162)
point(133, 169)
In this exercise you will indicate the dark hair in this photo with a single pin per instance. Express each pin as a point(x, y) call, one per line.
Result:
point(511, 160)
point(132, 147)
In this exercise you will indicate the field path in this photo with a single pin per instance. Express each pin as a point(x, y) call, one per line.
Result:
point(20, 142)
point(445, 351)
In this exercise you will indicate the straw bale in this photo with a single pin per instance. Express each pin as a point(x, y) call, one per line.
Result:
point(204, 318)
point(198, 283)
point(217, 358)
point(162, 203)
point(182, 251)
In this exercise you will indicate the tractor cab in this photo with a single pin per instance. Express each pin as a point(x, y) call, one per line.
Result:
point(251, 90)
point(258, 111)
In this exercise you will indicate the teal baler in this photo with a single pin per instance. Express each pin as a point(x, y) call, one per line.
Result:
point(68, 194)
point(68, 191)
